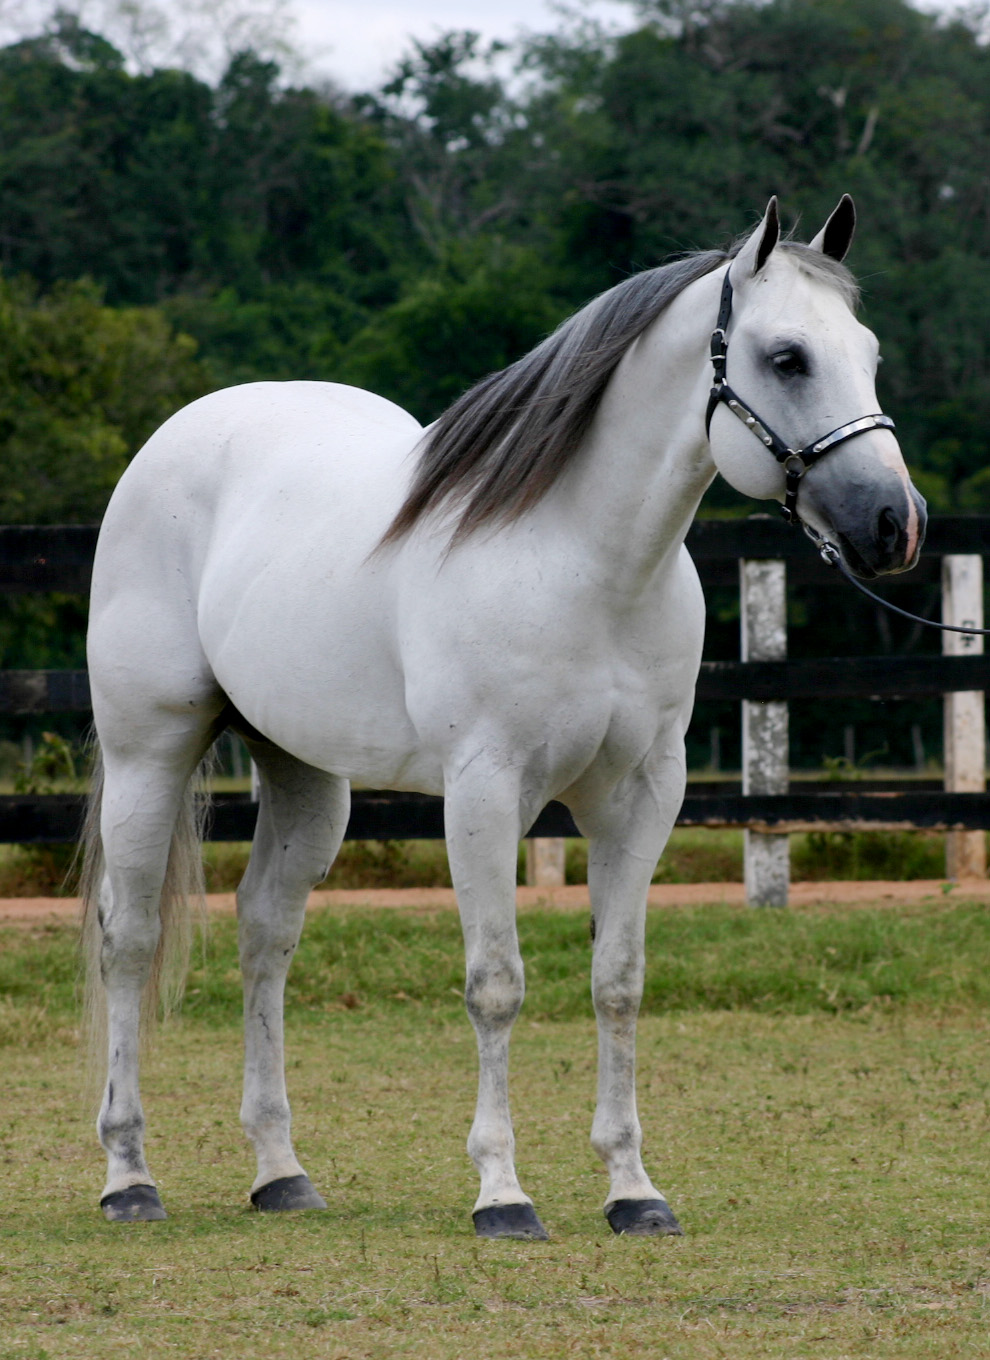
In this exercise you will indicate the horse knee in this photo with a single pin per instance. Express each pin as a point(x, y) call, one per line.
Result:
point(495, 991)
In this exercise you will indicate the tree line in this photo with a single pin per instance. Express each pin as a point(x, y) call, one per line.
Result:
point(162, 235)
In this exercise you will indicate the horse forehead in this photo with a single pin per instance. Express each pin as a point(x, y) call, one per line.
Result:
point(789, 298)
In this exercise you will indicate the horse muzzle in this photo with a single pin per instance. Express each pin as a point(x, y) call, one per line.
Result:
point(880, 531)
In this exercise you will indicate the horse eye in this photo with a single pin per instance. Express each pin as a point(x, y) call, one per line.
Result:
point(788, 363)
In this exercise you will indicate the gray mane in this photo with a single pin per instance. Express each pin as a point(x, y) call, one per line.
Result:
point(501, 446)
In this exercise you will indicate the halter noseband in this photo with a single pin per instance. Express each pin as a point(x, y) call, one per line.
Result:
point(795, 462)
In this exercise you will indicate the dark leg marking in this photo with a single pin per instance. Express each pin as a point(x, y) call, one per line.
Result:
point(136, 1204)
point(287, 1193)
point(643, 1218)
point(518, 1221)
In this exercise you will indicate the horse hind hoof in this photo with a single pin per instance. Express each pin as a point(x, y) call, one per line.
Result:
point(518, 1221)
point(136, 1204)
point(287, 1194)
point(643, 1218)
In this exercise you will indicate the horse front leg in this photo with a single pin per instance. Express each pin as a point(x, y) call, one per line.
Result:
point(482, 830)
point(625, 843)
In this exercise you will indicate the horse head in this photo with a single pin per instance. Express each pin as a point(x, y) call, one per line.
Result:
point(793, 415)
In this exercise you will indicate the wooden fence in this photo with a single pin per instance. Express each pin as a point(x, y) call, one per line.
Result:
point(59, 558)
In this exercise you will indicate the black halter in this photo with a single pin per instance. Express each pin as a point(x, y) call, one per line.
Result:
point(795, 462)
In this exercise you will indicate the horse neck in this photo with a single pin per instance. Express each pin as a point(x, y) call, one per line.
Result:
point(645, 465)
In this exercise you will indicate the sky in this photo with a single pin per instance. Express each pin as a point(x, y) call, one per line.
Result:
point(357, 41)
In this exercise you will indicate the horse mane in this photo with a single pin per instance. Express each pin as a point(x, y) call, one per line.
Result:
point(502, 445)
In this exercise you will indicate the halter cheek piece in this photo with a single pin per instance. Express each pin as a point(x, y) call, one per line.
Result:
point(795, 462)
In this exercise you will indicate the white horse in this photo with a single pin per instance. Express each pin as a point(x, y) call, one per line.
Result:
point(500, 610)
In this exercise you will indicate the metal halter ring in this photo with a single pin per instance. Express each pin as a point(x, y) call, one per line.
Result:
point(794, 465)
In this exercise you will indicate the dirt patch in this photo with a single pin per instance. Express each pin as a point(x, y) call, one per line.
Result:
point(37, 910)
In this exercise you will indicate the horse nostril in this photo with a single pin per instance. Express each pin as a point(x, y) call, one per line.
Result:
point(889, 532)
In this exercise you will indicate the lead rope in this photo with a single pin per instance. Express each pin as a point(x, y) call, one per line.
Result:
point(831, 556)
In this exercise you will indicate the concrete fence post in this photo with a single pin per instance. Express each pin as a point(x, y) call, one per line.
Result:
point(964, 713)
point(545, 861)
point(763, 599)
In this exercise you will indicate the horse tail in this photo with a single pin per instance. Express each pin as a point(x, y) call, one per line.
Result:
point(183, 890)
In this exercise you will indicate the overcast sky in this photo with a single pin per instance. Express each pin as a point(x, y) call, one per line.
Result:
point(356, 41)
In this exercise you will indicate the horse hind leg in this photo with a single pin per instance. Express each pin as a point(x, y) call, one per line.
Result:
point(302, 816)
point(141, 844)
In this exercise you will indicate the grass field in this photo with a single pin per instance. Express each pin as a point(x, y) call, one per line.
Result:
point(815, 1090)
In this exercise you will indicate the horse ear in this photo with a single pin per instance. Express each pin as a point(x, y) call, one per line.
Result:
point(756, 251)
point(835, 237)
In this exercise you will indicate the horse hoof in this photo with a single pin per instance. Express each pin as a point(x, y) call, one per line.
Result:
point(136, 1204)
point(643, 1218)
point(287, 1193)
point(510, 1220)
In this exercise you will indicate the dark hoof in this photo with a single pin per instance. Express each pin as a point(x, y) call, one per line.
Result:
point(643, 1218)
point(136, 1204)
point(510, 1220)
point(289, 1192)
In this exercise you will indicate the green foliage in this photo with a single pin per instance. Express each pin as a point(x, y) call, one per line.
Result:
point(867, 855)
point(82, 385)
point(52, 768)
point(479, 314)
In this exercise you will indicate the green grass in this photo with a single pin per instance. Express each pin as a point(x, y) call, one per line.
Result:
point(814, 1089)
point(931, 955)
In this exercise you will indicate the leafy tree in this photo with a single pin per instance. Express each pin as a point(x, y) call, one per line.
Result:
point(82, 385)
point(479, 313)
point(157, 184)
point(457, 135)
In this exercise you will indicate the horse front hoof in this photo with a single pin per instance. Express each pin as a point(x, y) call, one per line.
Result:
point(287, 1194)
point(643, 1218)
point(136, 1204)
point(517, 1221)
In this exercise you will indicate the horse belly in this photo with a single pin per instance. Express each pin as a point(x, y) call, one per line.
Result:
point(324, 683)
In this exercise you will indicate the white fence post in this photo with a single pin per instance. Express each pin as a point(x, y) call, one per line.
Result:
point(763, 598)
point(545, 861)
point(964, 719)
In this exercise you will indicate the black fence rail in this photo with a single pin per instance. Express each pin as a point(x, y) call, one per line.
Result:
point(59, 558)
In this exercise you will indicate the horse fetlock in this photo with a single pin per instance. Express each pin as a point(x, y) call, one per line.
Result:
point(118, 1129)
point(618, 1145)
point(267, 1122)
point(493, 1150)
